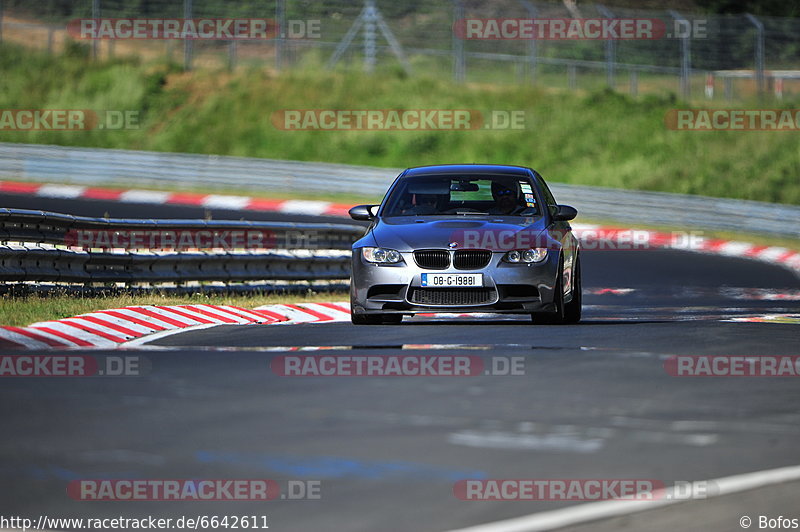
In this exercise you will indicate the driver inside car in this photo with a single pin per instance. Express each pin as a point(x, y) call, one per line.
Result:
point(506, 199)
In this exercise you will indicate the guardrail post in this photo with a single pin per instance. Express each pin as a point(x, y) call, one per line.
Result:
point(572, 77)
point(686, 56)
point(759, 53)
point(531, 44)
point(459, 61)
point(634, 83)
point(280, 33)
point(610, 46)
point(187, 43)
point(728, 88)
point(50, 42)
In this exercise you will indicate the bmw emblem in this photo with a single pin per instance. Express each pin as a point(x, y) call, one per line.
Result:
point(453, 245)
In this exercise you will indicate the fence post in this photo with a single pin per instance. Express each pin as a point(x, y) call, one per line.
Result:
point(187, 43)
point(459, 62)
point(686, 57)
point(232, 55)
point(610, 48)
point(572, 77)
point(280, 33)
point(759, 52)
point(709, 85)
point(95, 42)
point(531, 45)
point(634, 83)
point(369, 36)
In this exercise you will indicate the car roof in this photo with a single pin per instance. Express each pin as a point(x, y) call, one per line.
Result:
point(502, 169)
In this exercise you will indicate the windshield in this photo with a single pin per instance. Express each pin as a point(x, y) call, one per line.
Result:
point(440, 195)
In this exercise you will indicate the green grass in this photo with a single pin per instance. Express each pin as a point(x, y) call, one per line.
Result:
point(596, 138)
point(23, 311)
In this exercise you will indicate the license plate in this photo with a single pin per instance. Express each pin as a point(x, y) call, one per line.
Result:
point(452, 279)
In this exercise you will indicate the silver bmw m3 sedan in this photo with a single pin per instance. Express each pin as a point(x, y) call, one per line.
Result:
point(466, 238)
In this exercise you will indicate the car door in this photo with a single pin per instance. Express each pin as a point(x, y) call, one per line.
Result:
point(561, 231)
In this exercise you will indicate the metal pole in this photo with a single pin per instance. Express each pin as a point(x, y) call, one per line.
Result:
point(531, 45)
point(759, 51)
point(686, 58)
point(369, 36)
point(232, 55)
point(280, 33)
point(95, 15)
point(187, 43)
point(459, 62)
point(634, 83)
point(610, 49)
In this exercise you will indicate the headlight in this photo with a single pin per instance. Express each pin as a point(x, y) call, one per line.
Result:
point(381, 255)
point(527, 256)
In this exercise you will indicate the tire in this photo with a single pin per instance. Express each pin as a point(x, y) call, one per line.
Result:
point(565, 312)
point(572, 310)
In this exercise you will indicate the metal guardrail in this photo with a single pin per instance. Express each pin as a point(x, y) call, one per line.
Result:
point(42, 246)
point(95, 167)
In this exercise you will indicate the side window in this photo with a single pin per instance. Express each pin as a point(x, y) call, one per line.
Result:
point(552, 206)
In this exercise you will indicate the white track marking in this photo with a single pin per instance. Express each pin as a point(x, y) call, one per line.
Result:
point(304, 207)
point(217, 201)
point(144, 196)
point(61, 191)
point(594, 511)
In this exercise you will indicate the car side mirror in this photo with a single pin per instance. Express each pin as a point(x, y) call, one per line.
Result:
point(565, 213)
point(362, 212)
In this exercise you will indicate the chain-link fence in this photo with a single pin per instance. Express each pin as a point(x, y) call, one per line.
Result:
point(730, 56)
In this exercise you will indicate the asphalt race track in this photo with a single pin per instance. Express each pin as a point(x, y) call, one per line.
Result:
point(595, 401)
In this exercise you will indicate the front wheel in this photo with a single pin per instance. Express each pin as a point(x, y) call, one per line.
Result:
point(564, 312)
point(572, 310)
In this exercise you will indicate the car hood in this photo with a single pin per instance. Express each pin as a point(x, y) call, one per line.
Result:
point(498, 233)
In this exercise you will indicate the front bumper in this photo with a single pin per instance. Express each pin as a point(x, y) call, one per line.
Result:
point(507, 288)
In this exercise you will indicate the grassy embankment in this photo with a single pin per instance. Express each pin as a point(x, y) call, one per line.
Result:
point(595, 138)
